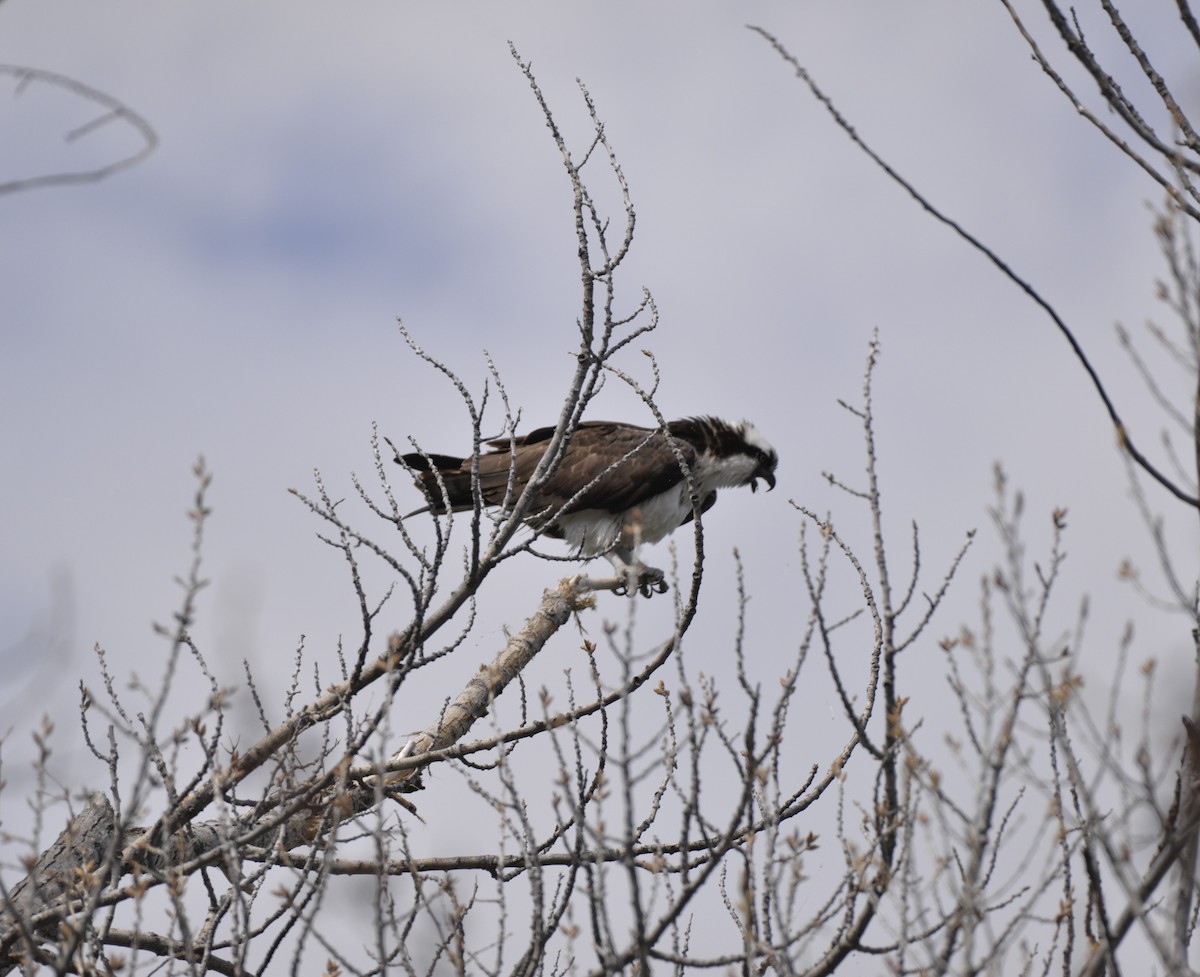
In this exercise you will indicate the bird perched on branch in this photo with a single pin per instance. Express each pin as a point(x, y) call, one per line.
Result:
point(617, 486)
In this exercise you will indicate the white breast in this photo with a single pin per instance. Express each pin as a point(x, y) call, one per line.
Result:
point(593, 531)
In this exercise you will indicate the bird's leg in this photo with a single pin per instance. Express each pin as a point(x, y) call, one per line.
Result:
point(625, 565)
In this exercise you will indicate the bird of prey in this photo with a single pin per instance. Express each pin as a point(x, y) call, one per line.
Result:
point(617, 486)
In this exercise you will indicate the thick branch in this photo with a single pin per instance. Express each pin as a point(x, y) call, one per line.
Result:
point(472, 703)
point(298, 816)
point(63, 871)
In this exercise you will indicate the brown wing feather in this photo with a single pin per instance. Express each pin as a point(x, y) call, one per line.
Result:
point(595, 448)
point(594, 451)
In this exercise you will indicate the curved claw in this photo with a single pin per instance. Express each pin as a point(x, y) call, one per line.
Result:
point(650, 582)
point(639, 579)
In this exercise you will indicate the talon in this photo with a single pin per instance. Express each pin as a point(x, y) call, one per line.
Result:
point(651, 582)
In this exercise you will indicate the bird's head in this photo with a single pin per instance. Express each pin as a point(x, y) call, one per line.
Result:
point(734, 453)
point(759, 450)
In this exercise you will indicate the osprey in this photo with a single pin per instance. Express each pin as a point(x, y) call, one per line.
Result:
point(618, 485)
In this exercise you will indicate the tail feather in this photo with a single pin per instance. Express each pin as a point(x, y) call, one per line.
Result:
point(442, 480)
point(420, 463)
point(446, 478)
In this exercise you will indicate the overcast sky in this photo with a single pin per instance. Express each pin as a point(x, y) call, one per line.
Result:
point(325, 169)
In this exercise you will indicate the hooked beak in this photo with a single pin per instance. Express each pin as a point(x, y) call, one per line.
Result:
point(766, 475)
